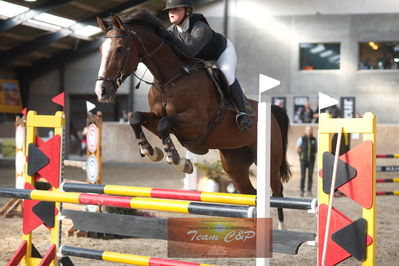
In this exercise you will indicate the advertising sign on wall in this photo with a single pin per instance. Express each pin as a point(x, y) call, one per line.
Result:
point(348, 107)
point(10, 96)
point(7, 148)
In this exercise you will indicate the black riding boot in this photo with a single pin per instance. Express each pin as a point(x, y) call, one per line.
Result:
point(243, 120)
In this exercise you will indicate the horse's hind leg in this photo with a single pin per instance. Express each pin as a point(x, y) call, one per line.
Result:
point(150, 121)
point(165, 128)
point(236, 163)
point(277, 191)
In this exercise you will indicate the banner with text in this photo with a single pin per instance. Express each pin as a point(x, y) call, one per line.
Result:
point(348, 107)
point(10, 96)
point(218, 237)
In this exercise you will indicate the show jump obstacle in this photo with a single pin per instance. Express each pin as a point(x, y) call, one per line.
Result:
point(356, 178)
point(44, 207)
point(391, 168)
point(44, 161)
point(388, 180)
point(93, 163)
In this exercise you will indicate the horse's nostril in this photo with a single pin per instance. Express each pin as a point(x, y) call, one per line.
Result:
point(103, 91)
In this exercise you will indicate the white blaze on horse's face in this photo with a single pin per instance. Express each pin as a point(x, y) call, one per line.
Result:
point(105, 54)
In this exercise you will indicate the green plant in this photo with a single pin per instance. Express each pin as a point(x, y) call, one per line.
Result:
point(214, 170)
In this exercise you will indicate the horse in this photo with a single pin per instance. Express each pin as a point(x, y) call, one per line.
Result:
point(184, 101)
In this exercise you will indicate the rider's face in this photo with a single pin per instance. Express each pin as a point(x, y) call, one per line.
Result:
point(176, 14)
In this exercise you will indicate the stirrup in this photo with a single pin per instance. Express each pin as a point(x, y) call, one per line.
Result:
point(244, 121)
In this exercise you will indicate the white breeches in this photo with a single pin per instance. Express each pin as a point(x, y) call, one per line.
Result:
point(227, 62)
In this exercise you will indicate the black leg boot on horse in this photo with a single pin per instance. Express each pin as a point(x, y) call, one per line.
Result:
point(136, 121)
point(243, 120)
point(165, 128)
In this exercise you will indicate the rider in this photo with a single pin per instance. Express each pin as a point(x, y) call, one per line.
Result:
point(195, 38)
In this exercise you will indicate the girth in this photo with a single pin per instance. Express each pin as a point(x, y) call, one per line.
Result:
point(216, 118)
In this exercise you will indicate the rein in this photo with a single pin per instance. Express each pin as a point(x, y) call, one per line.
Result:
point(120, 76)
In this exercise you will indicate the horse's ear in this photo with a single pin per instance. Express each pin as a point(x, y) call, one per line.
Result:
point(118, 22)
point(101, 24)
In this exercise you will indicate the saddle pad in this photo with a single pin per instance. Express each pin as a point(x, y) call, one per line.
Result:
point(220, 81)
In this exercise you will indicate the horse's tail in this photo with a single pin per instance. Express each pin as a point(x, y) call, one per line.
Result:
point(284, 123)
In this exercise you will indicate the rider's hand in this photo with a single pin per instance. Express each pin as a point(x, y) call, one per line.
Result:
point(165, 34)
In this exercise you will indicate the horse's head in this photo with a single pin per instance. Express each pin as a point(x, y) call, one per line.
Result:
point(120, 57)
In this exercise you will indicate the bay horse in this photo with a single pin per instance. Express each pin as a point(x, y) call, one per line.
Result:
point(184, 101)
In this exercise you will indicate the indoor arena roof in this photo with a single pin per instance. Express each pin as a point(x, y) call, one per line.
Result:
point(37, 36)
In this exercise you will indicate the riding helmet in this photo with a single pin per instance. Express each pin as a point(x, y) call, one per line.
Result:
point(178, 3)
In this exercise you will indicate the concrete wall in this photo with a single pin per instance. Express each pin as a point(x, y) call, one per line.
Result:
point(302, 7)
point(313, 7)
point(7, 129)
point(42, 90)
point(273, 49)
point(119, 144)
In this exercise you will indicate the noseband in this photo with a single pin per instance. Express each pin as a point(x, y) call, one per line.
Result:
point(120, 76)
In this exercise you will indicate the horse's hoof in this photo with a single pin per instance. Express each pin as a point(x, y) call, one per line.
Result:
point(281, 226)
point(156, 156)
point(185, 166)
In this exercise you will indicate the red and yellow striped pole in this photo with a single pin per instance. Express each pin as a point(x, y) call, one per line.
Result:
point(122, 258)
point(394, 155)
point(197, 196)
point(225, 198)
point(387, 193)
point(388, 180)
point(180, 206)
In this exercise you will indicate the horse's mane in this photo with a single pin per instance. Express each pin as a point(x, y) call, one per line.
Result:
point(144, 17)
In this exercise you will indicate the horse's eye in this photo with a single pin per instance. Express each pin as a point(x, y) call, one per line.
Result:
point(119, 50)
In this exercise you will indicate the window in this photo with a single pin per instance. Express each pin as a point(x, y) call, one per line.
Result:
point(316, 56)
point(379, 55)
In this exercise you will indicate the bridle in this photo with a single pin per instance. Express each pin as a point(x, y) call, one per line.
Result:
point(120, 76)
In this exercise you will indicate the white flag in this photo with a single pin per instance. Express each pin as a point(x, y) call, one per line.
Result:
point(90, 106)
point(267, 83)
point(326, 101)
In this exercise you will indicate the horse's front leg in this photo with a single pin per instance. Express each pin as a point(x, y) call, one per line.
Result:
point(149, 121)
point(165, 128)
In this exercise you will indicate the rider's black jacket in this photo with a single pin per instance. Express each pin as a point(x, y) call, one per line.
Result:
point(199, 41)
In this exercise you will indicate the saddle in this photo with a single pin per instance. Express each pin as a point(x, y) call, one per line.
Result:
point(218, 78)
point(220, 81)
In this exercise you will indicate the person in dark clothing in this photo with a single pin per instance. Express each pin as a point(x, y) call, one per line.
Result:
point(307, 149)
point(307, 114)
point(192, 35)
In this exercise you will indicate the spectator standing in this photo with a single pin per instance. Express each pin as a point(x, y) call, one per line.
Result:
point(307, 114)
point(83, 143)
point(307, 149)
